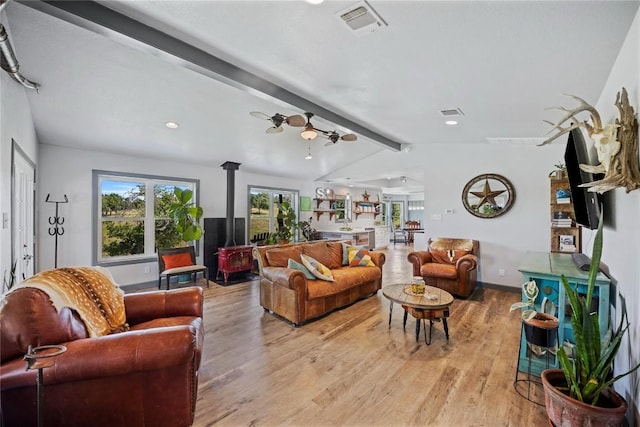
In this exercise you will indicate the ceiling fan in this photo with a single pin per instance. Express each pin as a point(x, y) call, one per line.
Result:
point(334, 137)
point(311, 132)
point(278, 119)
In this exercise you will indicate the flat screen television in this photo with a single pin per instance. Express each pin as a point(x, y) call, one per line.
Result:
point(586, 204)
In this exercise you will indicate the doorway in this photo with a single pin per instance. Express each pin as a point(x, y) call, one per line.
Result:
point(23, 186)
point(397, 215)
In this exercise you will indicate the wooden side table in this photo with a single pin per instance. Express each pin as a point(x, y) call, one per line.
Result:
point(432, 305)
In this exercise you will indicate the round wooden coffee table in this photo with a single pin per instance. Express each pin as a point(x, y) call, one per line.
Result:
point(433, 305)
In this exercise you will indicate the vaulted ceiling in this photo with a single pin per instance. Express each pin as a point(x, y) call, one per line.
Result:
point(207, 64)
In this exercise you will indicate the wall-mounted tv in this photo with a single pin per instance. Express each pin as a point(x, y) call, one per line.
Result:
point(586, 204)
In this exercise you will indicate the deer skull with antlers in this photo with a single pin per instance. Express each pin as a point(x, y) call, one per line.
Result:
point(616, 144)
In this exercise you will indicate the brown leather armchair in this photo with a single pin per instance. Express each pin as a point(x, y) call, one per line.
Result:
point(449, 264)
point(146, 376)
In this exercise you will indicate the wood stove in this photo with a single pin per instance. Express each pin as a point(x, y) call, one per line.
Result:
point(232, 259)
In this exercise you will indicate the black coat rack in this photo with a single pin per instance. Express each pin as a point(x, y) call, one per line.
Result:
point(57, 229)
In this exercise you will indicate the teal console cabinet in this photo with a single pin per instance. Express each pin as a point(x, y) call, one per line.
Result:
point(546, 269)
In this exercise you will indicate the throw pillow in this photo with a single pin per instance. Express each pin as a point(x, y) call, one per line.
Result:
point(359, 256)
point(450, 256)
point(345, 252)
point(297, 266)
point(177, 260)
point(316, 268)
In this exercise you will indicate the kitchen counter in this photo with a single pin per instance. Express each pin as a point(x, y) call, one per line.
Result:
point(358, 237)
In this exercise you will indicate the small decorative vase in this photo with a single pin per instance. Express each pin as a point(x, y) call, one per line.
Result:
point(564, 410)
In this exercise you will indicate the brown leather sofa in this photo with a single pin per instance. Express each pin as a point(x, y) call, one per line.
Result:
point(147, 376)
point(449, 264)
point(288, 293)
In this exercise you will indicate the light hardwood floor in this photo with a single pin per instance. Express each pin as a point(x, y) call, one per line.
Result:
point(350, 369)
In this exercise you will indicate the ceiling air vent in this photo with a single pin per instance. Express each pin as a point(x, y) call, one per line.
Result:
point(361, 18)
point(452, 112)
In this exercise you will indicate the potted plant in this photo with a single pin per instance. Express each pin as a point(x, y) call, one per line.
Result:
point(540, 328)
point(7, 284)
point(581, 393)
point(186, 215)
point(308, 232)
point(286, 224)
point(559, 172)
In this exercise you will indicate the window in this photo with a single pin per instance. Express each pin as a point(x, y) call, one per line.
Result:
point(132, 216)
point(397, 220)
point(263, 207)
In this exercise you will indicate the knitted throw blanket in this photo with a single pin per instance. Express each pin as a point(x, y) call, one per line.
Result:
point(90, 291)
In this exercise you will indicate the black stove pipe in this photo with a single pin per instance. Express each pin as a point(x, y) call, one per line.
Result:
point(231, 168)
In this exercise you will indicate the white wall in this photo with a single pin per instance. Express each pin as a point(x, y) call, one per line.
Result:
point(69, 171)
point(504, 240)
point(16, 124)
point(621, 248)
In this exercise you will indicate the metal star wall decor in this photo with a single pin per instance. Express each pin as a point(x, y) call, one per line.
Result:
point(488, 195)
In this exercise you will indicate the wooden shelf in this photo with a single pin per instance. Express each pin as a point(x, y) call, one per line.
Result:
point(319, 213)
point(320, 200)
point(375, 214)
point(574, 230)
point(360, 204)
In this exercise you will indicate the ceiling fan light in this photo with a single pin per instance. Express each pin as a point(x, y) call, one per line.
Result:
point(308, 157)
point(308, 133)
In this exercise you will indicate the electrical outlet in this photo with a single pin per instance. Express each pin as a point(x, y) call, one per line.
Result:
point(436, 217)
point(501, 272)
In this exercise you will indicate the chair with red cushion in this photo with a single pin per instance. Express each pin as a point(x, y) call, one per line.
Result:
point(177, 262)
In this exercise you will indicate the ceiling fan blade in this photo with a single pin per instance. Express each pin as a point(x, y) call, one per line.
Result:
point(259, 115)
point(349, 137)
point(275, 129)
point(296, 121)
point(329, 143)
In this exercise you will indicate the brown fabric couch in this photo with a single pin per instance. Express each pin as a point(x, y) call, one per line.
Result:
point(147, 376)
point(288, 293)
point(449, 264)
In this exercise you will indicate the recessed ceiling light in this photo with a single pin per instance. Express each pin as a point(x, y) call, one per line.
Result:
point(172, 125)
point(314, 1)
point(451, 122)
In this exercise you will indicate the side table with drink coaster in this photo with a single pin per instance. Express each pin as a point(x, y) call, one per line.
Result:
point(432, 304)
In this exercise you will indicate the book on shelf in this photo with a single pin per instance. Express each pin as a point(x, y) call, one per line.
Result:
point(568, 248)
point(563, 200)
point(563, 221)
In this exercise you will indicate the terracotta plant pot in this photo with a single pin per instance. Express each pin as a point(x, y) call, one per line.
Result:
point(542, 330)
point(563, 410)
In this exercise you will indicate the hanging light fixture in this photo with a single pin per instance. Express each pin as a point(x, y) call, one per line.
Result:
point(309, 131)
point(308, 156)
